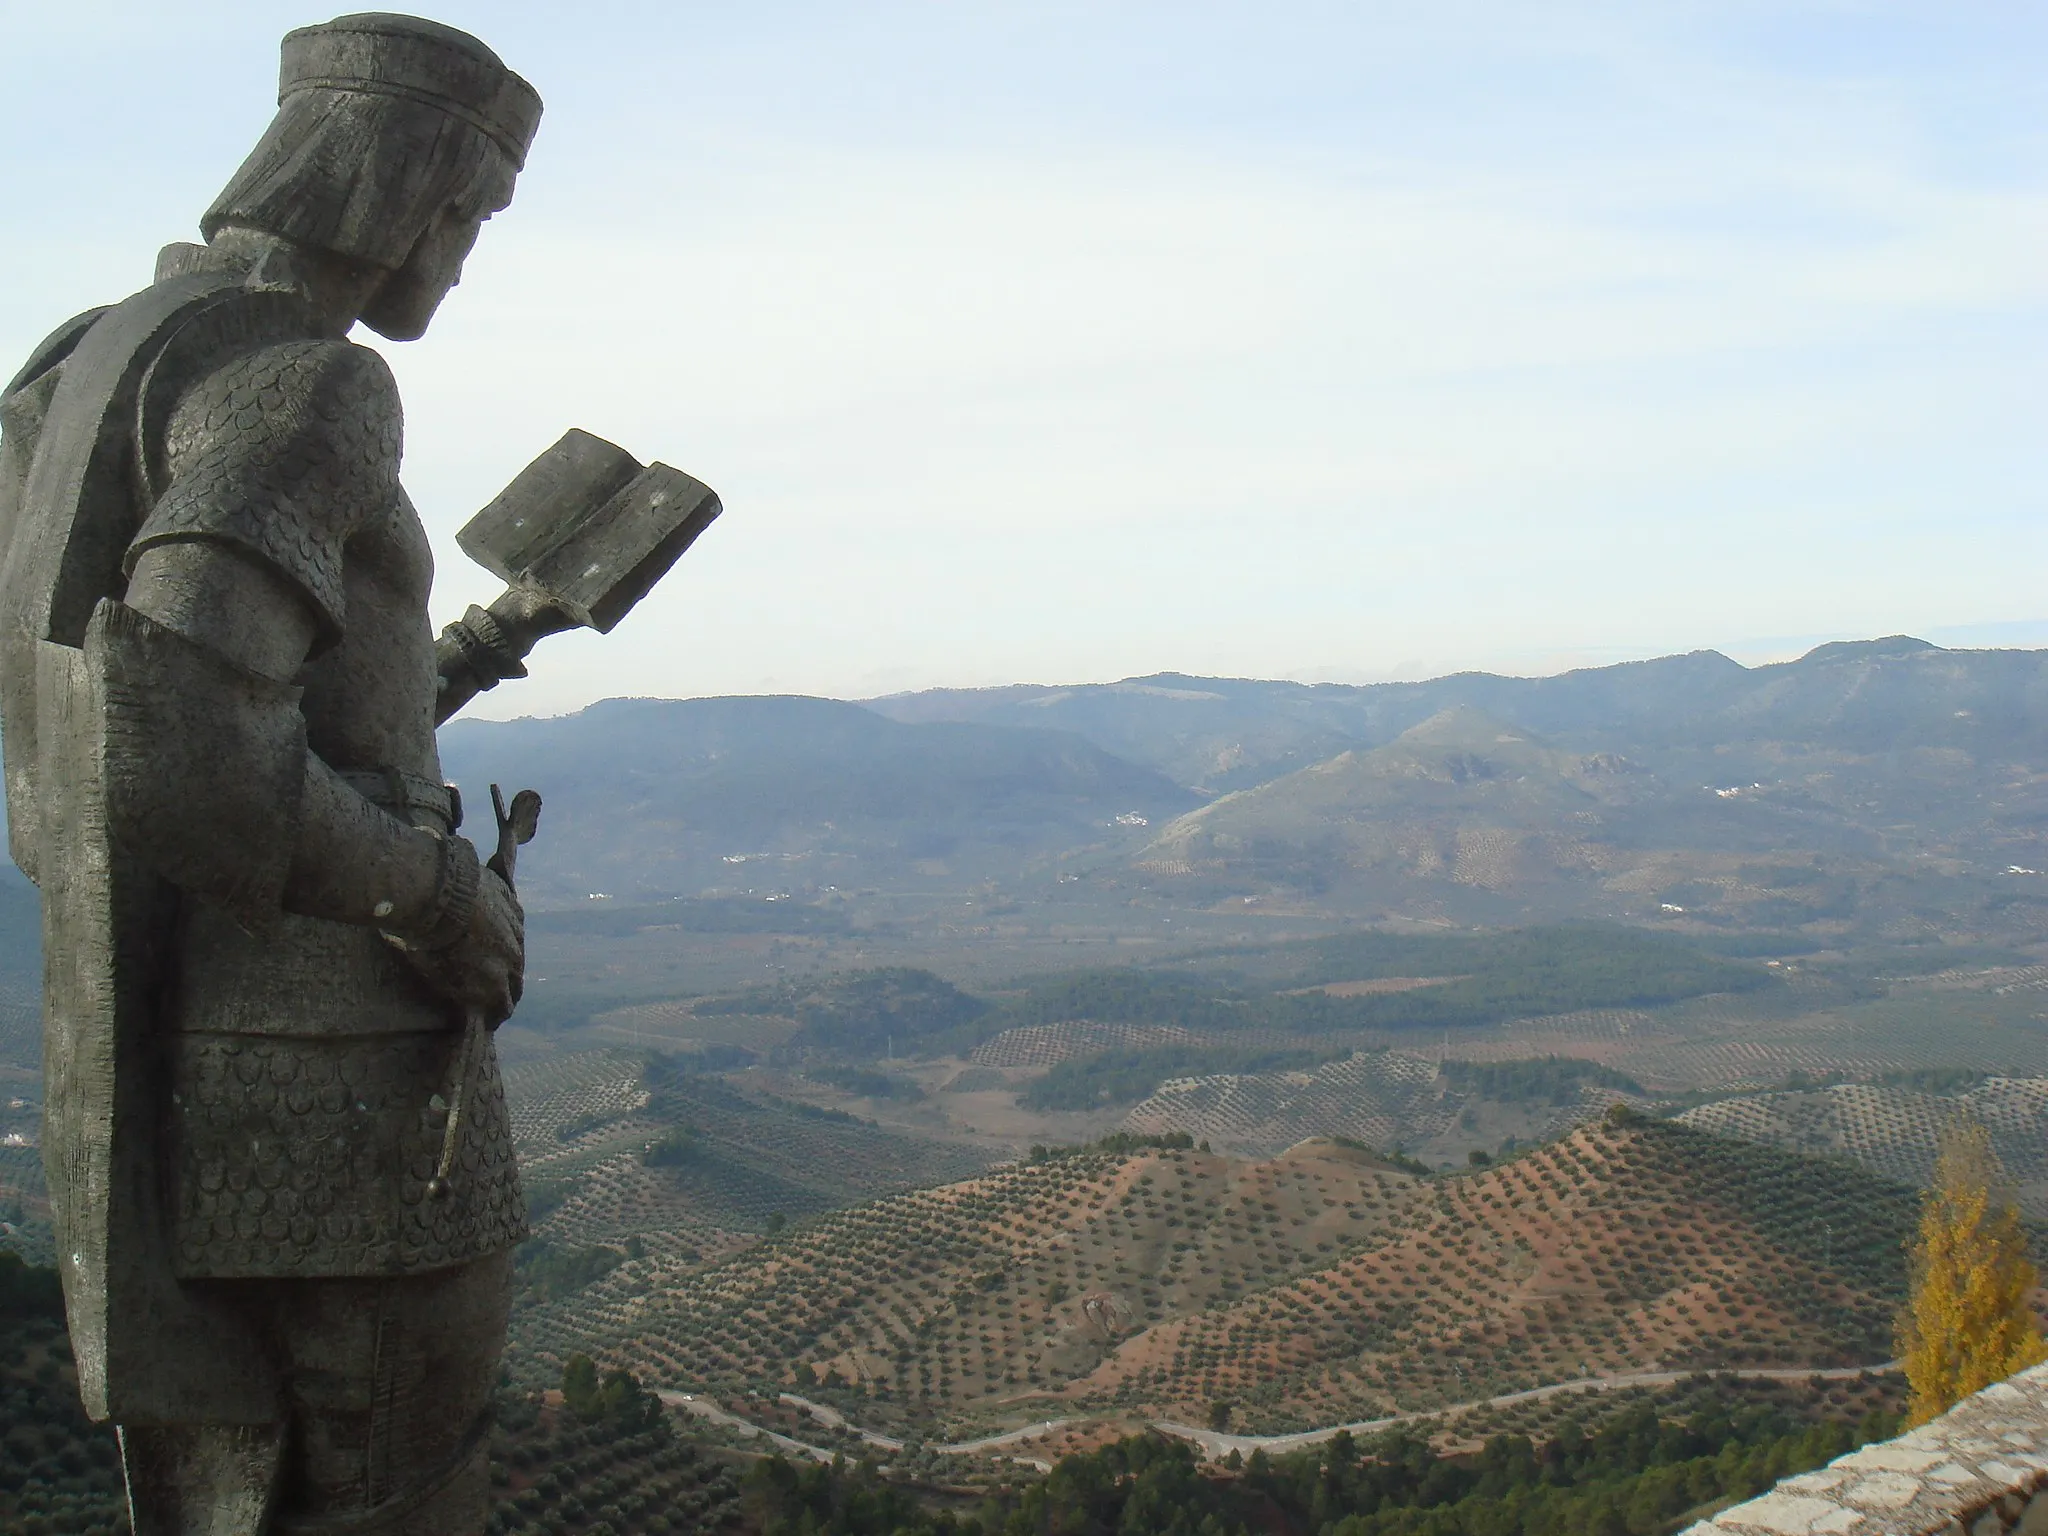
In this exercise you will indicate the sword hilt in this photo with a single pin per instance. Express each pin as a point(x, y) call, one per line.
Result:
point(516, 825)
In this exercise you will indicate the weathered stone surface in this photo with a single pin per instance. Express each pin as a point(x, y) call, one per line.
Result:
point(281, 1172)
point(214, 652)
point(1981, 1468)
point(312, 1157)
point(1788, 1514)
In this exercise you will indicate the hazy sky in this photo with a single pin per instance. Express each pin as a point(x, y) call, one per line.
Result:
point(1066, 342)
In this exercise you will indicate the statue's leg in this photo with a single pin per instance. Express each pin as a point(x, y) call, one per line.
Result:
point(201, 1479)
point(389, 1387)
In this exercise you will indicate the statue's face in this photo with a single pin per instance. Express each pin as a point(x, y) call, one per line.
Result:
point(404, 304)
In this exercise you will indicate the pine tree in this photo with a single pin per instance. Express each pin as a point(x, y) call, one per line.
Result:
point(1966, 1322)
point(580, 1386)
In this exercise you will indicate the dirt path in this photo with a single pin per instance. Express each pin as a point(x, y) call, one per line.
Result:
point(1028, 1432)
point(705, 1408)
point(832, 1418)
point(1216, 1445)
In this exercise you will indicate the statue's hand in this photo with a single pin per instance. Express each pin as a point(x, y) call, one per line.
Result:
point(488, 645)
point(528, 615)
point(484, 970)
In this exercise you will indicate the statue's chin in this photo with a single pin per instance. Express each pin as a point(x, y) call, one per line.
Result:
point(397, 327)
point(403, 308)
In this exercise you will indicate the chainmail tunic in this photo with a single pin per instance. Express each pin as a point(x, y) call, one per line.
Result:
point(309, 1063)
point(311, 1157)
point(278, 454)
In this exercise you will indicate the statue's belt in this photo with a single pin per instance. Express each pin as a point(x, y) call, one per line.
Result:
point(407, 795)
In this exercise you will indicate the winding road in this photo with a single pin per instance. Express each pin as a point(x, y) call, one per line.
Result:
point(704, 1408)
point(708, 1408)
point(1217, 1445)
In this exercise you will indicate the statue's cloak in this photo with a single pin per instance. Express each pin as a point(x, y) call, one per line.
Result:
point(81, 433)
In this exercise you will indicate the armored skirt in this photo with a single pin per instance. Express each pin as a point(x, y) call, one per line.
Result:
point(311, 1077)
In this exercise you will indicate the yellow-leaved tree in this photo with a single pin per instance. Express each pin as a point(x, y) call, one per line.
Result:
point(1966, 1322)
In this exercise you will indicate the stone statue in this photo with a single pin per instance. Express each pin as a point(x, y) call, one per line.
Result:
point(280, 1167)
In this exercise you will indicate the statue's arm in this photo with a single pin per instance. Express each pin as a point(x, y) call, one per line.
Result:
point(234, 581)
point(488, 646)
point(336, 855)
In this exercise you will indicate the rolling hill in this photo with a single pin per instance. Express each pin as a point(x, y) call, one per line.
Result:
point(1391, 1098)
point(1470, 818)
point(1895, 1130)
point(1319, 1286)
point(1620, 1247)
point(651, 797)
point(617, 1151)
point(1059, 1258)
point(1345, 983)
point(1462, 799)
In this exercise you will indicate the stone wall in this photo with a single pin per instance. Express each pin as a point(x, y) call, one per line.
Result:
point(1981, 1469)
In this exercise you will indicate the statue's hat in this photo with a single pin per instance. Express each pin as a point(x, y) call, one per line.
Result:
point(417, 59)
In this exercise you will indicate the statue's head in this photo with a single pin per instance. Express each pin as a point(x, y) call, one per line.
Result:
point(395, 138)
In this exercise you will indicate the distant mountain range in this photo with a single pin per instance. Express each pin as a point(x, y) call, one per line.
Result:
point(651, 797)
point(1862, 696)
point(1887, 783)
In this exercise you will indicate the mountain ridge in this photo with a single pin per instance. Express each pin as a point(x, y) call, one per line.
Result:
point(1689, 697)
point(1889, 783)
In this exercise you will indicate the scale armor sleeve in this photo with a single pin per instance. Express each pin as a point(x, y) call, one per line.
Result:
point(205, 764)
point(281, 454)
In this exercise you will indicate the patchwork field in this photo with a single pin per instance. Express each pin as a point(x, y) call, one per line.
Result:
point(1634, 1247)
point(1047, 1045)
point(1316, 1287)
point(622, 1154)
point(1896, 1131)
point(829, 1186)
point(1065, 1057)
point(1383, 1098)
point(954, 1299)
